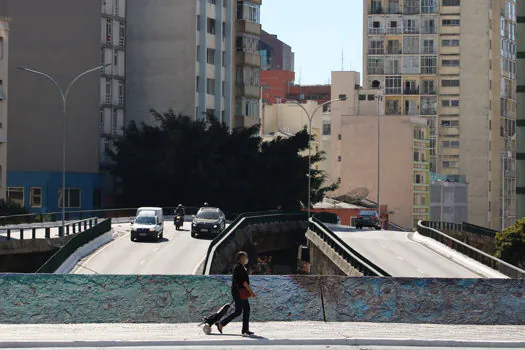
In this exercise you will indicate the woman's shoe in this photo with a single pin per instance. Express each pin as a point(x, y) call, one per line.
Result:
point(247, 333)
point(219, 327)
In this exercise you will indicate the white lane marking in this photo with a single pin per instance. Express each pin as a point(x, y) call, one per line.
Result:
point(86, 261)
point(401, 258)
point(421, 272)
point(198, 265)
point(157, 249)
point(142, 262)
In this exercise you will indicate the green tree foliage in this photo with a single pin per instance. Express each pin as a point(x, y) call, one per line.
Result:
point(183, 161)
point(510, 244)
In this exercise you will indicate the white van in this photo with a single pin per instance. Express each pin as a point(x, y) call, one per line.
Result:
point(149, 223)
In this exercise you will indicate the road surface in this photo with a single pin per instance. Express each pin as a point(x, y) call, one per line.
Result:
point(400, 256)
point(176, 254)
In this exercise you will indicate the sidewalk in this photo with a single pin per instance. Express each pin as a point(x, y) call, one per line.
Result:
point(274, 335)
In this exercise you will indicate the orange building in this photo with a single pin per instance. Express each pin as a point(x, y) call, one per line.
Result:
point(276, 83)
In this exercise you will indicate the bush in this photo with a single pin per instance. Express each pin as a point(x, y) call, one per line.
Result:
point(510, 244)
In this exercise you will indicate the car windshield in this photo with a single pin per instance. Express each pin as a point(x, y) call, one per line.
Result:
point(145, 220)
point(210, 215)
point(368, 213)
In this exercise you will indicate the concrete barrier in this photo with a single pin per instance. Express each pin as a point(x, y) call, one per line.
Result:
point(52, 298)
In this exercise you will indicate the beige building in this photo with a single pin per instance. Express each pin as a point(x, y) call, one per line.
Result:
point(289, 118)
point(4, 56)
point(453, 62)
point(403, 151)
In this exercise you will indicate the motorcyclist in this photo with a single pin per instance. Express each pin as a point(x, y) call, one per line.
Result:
point(180, 210)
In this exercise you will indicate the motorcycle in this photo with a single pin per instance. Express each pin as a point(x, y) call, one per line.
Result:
point(179, 221)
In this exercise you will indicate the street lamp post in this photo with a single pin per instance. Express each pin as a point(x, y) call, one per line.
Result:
point(310, 120)
point(379, 98)
point(63, 94)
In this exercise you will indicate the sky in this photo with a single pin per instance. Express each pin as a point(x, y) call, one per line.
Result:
point(318, 32)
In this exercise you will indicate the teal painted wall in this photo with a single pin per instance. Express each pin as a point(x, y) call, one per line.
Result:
point(181, 299)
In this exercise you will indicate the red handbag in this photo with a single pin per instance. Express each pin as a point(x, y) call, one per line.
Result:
point(245, 295)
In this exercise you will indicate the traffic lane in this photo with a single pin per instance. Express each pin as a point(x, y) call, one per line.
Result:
point(176, 253)
point(395, 253)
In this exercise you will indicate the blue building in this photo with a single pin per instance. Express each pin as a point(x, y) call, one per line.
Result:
point(41, 192)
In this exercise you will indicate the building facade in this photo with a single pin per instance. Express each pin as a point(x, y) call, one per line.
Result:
point(4, 73)
point(62, 43)
point(448, 199)
point(183, 61)
point(276, 54)
point(520, 116)
point(393, 159)
point(453, 62)
point(247, 63)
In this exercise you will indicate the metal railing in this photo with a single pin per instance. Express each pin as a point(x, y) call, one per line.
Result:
point(358, 261)
point(73, 244)
point(463, 227)
point(242, 221)
point(499, 265)
point(21, 233)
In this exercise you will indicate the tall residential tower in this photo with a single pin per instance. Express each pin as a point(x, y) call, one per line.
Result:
point(453, 62)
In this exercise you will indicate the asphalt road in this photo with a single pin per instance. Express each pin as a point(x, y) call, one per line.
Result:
point(400, 256)
point(176, 254)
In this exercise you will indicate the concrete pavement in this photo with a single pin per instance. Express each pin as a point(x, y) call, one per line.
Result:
point(176, 254)
point(313, 335)
point(401, 256)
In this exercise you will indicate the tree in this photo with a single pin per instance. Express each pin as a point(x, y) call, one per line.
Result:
point(190, 162)
point(510, 244)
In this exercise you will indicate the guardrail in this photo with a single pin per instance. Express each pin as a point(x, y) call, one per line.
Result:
point(73, 244)
point(54, 217)
point(242, 221)
point(71, 227)
point(358, 261)
point(464, 227)
point(476, 254)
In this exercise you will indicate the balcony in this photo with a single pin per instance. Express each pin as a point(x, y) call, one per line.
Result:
point(428, 111)
point(411, 91)
point(394, 31)
point(393, 111)
point(244, 26)
point(428, 92)
point(411, 10)
point(375, 51)
point(248, 91)
point(248, 58)
point(411, 30)
point(376, 31)
point(376, 11)
point(391, 50)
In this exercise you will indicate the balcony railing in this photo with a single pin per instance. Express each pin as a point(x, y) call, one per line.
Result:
point(376, 31)
point(394, 30)
point(411, 91)
point(393, 111)
point(411, 30)
point(376, 11)
point(428, 111)
point(375, 51)
point(411, 10)
point(428, 92)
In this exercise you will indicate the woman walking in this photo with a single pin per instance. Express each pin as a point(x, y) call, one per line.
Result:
point(241, 292)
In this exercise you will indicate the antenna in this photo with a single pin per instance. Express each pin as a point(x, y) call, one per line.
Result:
point(300, 86)
point(342, 59)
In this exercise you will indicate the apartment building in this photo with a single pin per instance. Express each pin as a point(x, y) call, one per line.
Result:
point(4, 72)
point(275, 54)
point(63, 38)
point(520, 116)
point(247, 63)
point(185, 61)
point(373, 151)
point(453, 62)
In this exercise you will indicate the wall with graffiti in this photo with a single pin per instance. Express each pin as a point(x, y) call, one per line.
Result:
point(177, 299)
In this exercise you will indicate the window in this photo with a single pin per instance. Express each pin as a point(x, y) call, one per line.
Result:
point(428, 65)
point(429, 6)
point(429, 25)
point(450, 164)
point(1, 47)
point(451, 2)
point(247, 43)
point(210, 86)
point(450, 63)
point(211, 26)
point(72, 198)
point(214, 2)
point(450, 103)
point(450, 144)
point(115, 58)
point(122, 34)
point(223, 88)
point(362, 97)
point(121, 93)
point(35, 197)
point(327, 129)
point(198, 22)
point(428, 46)
point(450, 22)
point(101, 123)
point(210, 56)
point(449, 42)
point(223, 30)
point(371, 97)
point(376, 46)
point(108, 90)
point(393, 85)
point(224, 58)
point(449, 123)
point(109, 30)
point(248, 11)
point(411, 44)
point(376, 65)
point(450, 83)
point(198, 53)
point(428, 87)
point(15, 195)
point(114, 121)
point(197, 82)
point(411, 65)
point(339, 159)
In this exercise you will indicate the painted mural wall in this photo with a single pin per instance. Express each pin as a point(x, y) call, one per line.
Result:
point(182, 299)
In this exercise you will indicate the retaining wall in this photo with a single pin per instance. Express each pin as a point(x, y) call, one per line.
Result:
point(181, 299)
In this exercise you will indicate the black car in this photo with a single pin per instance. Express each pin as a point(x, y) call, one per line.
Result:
point(368, 218)
point(208, 221)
